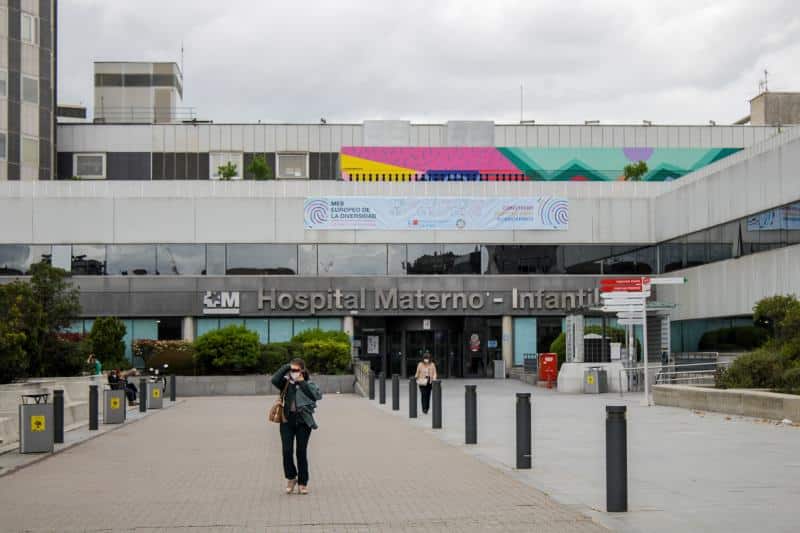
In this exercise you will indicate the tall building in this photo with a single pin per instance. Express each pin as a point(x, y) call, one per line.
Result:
point(137, 92)
point(27, 89)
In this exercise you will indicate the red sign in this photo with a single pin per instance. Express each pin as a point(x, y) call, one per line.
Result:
point(623, 284)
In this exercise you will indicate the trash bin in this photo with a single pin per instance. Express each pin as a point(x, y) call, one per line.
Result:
point(154, 399)
point(114, 406)
point(36, 426)
point(499, 369)
point(595, 380)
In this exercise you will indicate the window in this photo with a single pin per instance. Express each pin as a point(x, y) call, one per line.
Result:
point(30, 90)
point(308, 259)
point(16, 259)
point(443, 259)
point(219, 159)
point(260, 259)
point(4, 83)
point(30, 28)
point(215, 260)
point(293, 165)
point(352, 259)
point(2, 145)
point(90, 166)
point(131, 259)
point(181, 259)
point(30, 152)
point(88, 260)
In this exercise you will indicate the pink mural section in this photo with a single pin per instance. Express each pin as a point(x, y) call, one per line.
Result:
point(416, 162)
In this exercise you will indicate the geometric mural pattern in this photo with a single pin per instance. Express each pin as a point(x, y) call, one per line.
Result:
point(371, 163)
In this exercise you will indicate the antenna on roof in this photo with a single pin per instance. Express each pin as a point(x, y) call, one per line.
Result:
point(182, 73)
point(763, 85)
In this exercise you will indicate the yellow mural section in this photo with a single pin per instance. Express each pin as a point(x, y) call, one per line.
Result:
point(367, 170)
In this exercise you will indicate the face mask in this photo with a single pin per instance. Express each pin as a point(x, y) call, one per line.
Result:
point(295, 375)
point(426, 360)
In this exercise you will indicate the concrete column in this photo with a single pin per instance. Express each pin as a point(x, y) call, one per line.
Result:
point(188, 328)
point(508, 341)
point(347, 327)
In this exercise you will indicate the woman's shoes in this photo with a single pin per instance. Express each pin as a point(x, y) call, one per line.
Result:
point(290, 486)
point(303, 490)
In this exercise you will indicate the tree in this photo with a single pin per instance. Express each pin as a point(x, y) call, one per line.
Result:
point(48, 305)
point(227, 171)
point(107, 342)
point(13, 362)
point(259, 168)
point(635, 171)
point(779, 314)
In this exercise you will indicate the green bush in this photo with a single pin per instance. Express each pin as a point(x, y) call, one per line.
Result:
point(738, 338)
point(559, 346)
point(317, 334)
point(234, 349)
point(761, 369)
point(275, 354)
point(790, 380)
point(326, 356)
point(106, 341)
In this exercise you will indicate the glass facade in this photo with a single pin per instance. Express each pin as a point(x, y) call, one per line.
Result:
point(768, 230)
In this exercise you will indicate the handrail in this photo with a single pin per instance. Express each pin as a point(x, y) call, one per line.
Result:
point(661, 372)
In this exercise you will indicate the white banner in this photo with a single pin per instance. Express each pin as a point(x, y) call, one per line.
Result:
point(450, 213)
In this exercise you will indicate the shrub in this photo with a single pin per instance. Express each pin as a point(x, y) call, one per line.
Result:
point(762, 368)
point(233, 349)
point(738, 338)
point(178, 354)
point(320, 334)
point(259, 168)
point(326, 356)
point(790, 380)
point(107, 342)
point(559, 347)
point(275, 354)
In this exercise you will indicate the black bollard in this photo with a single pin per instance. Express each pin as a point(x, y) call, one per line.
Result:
point(172, 392)
point(371, 384)
point(395, 392)
point(382, 388)
point(412, 398)
point(142, 395)
point(616, 459)
point(437, 404)
point(58, 416)
point(523, 430)
point(471, 414)
point(93, 407)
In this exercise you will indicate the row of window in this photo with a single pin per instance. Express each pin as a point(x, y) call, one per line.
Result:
point(292, 165)
point(767, 230)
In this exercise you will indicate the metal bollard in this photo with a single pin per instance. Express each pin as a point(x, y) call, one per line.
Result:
point(142, 395)
point(471, 414)
point(58, 416)
point(382, 388)
point(616, 459)
point(523, 430)
point(93, 407)
point(395, 392)
point(172, 392)
point(412, 398)
point(437, 404)
point(371, 384)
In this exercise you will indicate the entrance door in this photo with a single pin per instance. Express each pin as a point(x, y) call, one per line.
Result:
point(438, 342)
point(475, 354)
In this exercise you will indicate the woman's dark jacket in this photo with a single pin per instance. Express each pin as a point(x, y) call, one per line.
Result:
point(303, 394)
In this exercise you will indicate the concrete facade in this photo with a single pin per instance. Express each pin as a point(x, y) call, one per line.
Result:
point(758, 404)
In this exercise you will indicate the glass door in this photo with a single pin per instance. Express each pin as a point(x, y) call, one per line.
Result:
point(417, 342)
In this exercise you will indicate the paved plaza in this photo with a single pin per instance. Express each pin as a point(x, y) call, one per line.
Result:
point(688, 471)
point(213, 464)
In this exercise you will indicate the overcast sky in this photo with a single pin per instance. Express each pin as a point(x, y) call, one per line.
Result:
point(670, 61)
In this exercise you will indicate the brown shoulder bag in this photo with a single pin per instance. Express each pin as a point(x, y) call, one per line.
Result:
point(276, 412)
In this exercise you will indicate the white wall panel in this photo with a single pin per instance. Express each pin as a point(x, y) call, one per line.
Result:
point(236, 137)
point(16, 216)
point(253, 218)
point(204, 138)
point(146, 220)
point(62, 221)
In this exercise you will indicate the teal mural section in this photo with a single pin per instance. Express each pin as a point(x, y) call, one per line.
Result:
point(525, 338)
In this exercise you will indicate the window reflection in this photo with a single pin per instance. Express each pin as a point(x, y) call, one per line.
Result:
point(351, 259)
point(131, 259)
point(88, 259)
point(261, 259)
point(215, 260)
point(181, 259)
point(17, 259)
point(524, 259)
point(443, 259)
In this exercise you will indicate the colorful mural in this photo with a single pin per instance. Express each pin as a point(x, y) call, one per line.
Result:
point(367, 163)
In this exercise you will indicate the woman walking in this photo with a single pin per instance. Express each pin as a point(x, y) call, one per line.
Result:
point(426, 375)
point(300, 396)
